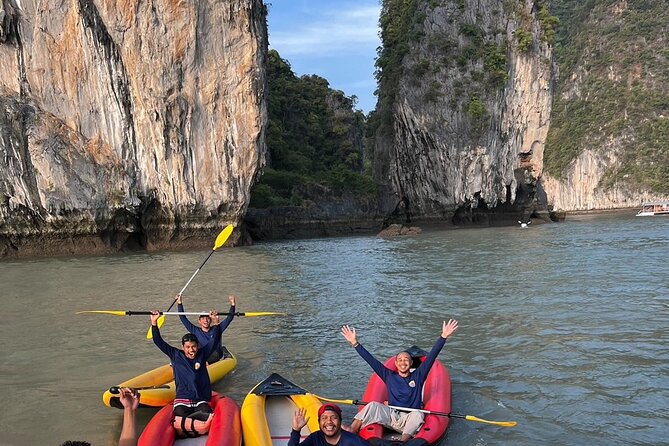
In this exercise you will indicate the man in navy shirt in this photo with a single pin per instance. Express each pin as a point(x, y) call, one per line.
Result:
point(405, 387)
point(330, 433)
point(193, 387)
point(204, 332)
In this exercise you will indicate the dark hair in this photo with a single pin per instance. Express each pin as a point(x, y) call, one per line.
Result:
point(75, 443)
point(188, 337)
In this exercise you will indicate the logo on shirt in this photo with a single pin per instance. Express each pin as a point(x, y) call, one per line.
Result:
point(197, 367)
point(412, 383)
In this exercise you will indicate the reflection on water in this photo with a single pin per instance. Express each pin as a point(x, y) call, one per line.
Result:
point(562, 326)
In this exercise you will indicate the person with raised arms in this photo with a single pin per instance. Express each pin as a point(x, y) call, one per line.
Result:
point(405, 387)
point(193, 387)
point(204, 332)
point(330, 433)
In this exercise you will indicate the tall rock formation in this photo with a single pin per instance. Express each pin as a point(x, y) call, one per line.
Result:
point(464, 106)
point(128, 123)
point(608, 146)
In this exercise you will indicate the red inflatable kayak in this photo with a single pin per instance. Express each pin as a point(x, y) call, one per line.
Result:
point(436, 397)
point(225, 429)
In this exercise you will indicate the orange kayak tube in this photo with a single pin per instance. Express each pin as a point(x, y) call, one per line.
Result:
point(225, 430)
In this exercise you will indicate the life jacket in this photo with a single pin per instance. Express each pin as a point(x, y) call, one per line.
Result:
point(191, 426)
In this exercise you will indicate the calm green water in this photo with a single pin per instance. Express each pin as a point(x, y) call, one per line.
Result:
point(563, 327)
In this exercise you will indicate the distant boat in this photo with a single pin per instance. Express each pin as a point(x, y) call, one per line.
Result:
point(654, 208)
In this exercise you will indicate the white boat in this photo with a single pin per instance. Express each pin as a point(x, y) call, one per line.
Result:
point(654, 208)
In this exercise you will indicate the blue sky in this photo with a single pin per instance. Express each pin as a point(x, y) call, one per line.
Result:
point(334, 39)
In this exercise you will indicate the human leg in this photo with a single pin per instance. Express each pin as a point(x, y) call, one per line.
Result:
point(408, 423)
point(373, 412)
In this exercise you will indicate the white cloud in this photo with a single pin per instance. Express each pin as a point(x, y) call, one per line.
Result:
point(350, 31)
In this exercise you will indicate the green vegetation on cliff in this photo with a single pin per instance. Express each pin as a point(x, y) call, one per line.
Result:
point(613, 90)
point(400, 25)
point(314, 136)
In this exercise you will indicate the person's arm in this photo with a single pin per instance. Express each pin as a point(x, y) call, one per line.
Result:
point(351, 336)
point(446, 331)
point(130, 401)
point(157, 339)
point(190, 327)
point(231, 316)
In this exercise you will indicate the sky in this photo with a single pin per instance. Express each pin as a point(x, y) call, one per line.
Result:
point(334, 39)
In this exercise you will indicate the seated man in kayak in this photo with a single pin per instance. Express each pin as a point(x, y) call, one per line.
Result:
point(204, 332)
point(330, 433)
point(193, 387)
point(405, 387)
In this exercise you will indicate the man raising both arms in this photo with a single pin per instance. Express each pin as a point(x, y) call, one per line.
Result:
point(405, 388)
point(193, 387)
point(204, 332)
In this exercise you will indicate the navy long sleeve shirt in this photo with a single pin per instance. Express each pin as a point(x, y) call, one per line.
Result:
point(192, 379)
point(404, 392)
point(203, 337)
point(318, 439)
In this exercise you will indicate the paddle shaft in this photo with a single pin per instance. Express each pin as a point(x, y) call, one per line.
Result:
point(192, 277)
point(184, 313)
point(429, 412)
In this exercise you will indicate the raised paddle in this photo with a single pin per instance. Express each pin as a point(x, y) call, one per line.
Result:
point(430, 412)
point(220, 241)
point(179, 313)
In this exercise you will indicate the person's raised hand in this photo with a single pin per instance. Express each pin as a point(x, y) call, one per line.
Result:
point(349, 334)
point(129, 398)
point(299, 420)
point(449, 328)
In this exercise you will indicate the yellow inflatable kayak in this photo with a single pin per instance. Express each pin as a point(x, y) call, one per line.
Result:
point(157, 387)
point(267, 412)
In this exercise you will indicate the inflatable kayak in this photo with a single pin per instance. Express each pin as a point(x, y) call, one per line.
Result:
point(161, 382)
point(436, 397)
point(225, 428)
point(267, 412)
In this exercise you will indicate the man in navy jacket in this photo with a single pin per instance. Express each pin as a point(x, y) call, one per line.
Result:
point(405, 387)
point(204, 332)
point(193, 387)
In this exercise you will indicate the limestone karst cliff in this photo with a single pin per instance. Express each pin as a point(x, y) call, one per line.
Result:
point(464, 107)
point(608, 145)
point(128, 123)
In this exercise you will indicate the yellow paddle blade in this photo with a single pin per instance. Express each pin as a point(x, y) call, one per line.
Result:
point(496, 423)
point(331, 400)
point(115, 313)
point(260, 313)
point(160, 323)
point(223, 236)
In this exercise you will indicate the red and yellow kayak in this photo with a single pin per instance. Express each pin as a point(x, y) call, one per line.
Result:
point(158, 386)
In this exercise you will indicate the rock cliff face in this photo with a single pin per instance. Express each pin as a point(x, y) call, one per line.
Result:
point(128, 123)
point(469, 114)
point(608, 146)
